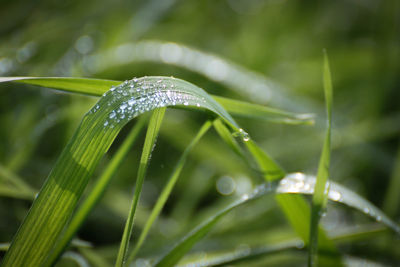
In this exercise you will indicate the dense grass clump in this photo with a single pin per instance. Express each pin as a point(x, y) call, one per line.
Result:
point(261, 152)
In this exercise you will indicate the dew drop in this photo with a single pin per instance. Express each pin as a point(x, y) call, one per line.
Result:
point(112, 114)
point(241, 133)
point(335, 195)
point(105, 123)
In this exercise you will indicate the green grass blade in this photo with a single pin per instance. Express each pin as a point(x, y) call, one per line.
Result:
point(227, 136)
point(293, 184)
point(304, 184)
point(321, 187)
point(295, 208)
point(256, 111)
point(185, 244)
point(162, 199)
point(97, 87)
point(97, 191)
point(149, 143)
point(59, 195)
point(269, 168)
point(239, 254)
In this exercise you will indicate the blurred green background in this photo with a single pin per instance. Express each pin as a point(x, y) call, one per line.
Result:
point(277, 45)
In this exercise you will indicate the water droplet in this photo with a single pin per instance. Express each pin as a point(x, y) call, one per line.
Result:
point(335, 195)
point(241, 133)
point(226, 185)
point(112, 114)
point(105, 123)
point(245, 197)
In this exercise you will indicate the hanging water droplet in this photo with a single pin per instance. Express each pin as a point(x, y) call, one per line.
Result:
point(241, 133)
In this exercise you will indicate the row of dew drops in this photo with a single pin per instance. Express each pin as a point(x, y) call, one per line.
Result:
point(136, 96)
point(139, 95)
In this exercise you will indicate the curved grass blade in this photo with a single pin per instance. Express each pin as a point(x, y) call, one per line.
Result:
point(181, 248)
point(294, 207)
point(304, 184)
point(59, 195)
point(233, 76)
point(149, 143)
point(321, 187)
point(162, 199)
point(97, 191)
point(97, 87)
point(296, 183)
point(241, 254)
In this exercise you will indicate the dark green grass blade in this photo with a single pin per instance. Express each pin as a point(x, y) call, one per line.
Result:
point(149, 143)
point(392, 197)
point(97, 191)
point(321, 187)
point(59, 195)
point(293, 184)
point(162, 199)
point(97, 87)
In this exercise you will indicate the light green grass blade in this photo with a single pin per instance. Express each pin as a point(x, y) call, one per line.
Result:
point(59, 195)
point(149, 143)
point(97, 191)
point(97, 87)
point(321, 187)
point(294, 184)
point(162, 199)
point(227, 136)
point(256, 111)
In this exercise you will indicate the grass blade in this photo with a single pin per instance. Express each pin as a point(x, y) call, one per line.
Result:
point(97, 87)
point(59, 195)
point(149, 143)
point(256, 111)
point(304, 184)
point(97, 191)
point(321, 187)
point(162, 199)
point(296, 183)
point(294, 207)
point(186, 243)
